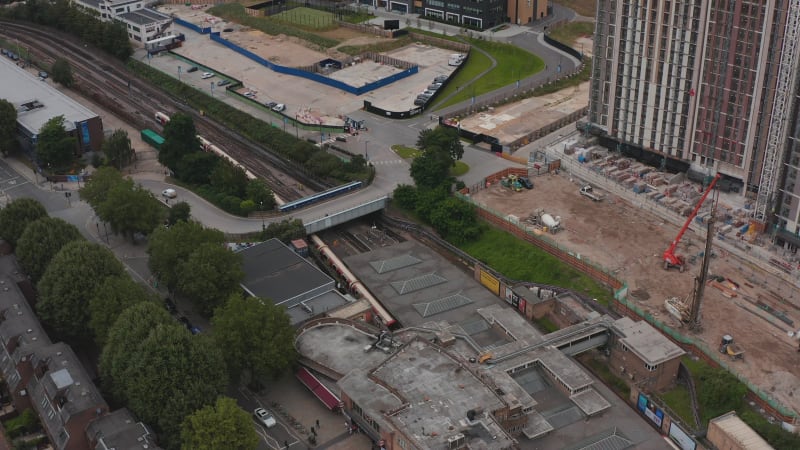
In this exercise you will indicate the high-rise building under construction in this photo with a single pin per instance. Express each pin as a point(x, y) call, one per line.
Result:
point(709, 86)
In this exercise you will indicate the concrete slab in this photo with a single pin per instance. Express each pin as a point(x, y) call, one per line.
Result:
point(590, 402)
point(515, 120)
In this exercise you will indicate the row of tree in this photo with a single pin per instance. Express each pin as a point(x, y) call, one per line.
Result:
point(127, 207)
point(85, 24)
point(430, 198)
point(222, 182)
point(168, 377)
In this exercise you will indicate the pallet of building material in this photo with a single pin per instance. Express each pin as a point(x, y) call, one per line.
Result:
point(623, 163)
point(653, 194)
point(629, 182)
point(640, 188)
point(779, 314)
point(725, 291)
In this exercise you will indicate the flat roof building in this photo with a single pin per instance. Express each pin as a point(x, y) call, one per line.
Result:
point(642, 355)
point(729, 432)
point(142, 24)
point(37, 101)
point(274, 272)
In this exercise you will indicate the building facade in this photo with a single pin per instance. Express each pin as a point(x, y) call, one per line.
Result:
point(694, 82)
point(642, 356)
point(478, 14)
point(143, 24)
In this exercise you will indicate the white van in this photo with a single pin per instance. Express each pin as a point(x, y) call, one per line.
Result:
point(456, 59)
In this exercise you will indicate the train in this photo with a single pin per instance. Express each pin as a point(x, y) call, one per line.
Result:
point(208, 146)
point(320, 196)
point(353, 284)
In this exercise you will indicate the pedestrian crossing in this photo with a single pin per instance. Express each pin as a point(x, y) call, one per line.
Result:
point(387, 162)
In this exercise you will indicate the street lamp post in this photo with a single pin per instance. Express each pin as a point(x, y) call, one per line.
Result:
point(263, 226)
point(366, 152)
point(179, 73)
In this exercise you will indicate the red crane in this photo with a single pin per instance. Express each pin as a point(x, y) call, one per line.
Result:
point(670, 258)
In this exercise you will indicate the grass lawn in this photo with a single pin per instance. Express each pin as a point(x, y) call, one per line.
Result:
point(405, 152)
point(586, 8)
point(234, 12)
point(600, 368)
point(545, 325)
point(519, 260)
point(679, 401)
point(570, 32)
point(307, 17)
point(513, 63)
point(459, 169)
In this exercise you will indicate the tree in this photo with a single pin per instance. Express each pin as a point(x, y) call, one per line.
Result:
point(180, 139)
point(40, 242)
point(75, 272)
point(197, 167)
point(169, 246)
point(171, 375)
point(285, 230)
point(55, 148)
point(130, 209)
point(442, 138)
point(8, 127)
point(62, 72)
point(455, 220)
point(719, 391)
point(431, 168)
point(180, 212)
point(96, 190)
point(261, 195)
point(221, 425)
point(209, 275)
point(16, 216)
point(256, 337)
point(228, 179)
point(405, 196)
point(113, 296)
point(118, 150)
point(132, 326)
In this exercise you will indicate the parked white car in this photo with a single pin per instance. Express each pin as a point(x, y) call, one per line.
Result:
point(279, 107)
point(207, 75)
point(265, 417)
point(169, 193)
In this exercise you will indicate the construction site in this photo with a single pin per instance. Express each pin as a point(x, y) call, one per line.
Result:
point(731, 296)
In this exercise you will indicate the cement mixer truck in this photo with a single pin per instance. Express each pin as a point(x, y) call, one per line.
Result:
point(552, 224)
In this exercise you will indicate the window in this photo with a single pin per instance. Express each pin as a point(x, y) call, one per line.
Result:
point(624, 347)
point(650, 368)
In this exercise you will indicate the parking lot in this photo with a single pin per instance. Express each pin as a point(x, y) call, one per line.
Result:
point(307, 100)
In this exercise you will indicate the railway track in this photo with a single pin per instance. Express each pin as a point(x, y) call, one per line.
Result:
point(108, 82)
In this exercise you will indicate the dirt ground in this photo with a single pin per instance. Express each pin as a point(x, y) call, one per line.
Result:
point(515, 120)
point(630, 242)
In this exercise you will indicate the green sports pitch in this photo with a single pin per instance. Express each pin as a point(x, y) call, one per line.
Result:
point(307, 17)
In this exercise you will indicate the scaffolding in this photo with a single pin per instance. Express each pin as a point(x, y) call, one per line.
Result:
point(779, 120)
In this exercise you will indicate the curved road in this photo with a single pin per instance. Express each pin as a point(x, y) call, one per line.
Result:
point(390, 169)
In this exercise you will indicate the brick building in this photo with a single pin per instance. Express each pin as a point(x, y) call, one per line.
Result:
point(643, 356)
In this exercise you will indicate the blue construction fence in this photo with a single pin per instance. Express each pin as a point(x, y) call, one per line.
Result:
point(215, 36)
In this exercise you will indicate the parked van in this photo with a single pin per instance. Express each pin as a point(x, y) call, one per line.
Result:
point(456, 59)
